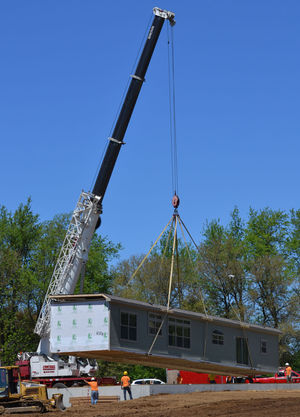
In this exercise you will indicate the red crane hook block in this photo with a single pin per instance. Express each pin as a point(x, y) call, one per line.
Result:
point(175, 201)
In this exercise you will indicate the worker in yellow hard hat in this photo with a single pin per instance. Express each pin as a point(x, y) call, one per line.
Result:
point(125, 385)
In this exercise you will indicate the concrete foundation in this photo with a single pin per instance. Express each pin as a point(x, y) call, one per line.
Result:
point(146, 390)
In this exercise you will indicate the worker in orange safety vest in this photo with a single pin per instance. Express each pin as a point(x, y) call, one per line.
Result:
point(125, 385)
point(94, 390)
point(288, 373)
point(179, 378)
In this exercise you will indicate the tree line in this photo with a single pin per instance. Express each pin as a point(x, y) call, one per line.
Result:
point(246, 270)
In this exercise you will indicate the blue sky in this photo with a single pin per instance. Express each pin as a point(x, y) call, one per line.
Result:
point(64, 67)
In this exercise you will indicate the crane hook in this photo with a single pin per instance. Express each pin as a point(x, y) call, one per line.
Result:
point(175, 201)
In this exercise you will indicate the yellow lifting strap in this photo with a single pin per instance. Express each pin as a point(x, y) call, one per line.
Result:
point(175, 220)
point(146, 256)
point(172, 263)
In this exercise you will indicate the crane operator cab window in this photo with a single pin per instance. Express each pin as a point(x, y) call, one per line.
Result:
point(3, 383)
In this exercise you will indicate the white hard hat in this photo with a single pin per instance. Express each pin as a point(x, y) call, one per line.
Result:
point(92, 379)
point(287, 364)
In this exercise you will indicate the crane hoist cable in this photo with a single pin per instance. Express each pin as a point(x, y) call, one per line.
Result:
point(172, 110)
point(171, 78)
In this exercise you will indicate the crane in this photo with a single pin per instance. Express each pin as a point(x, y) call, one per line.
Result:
point(86, 216)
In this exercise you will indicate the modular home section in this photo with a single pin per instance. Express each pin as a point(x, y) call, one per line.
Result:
point(132, 331)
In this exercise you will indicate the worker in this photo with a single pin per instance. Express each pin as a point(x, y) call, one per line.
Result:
point(94, 390)
point(125, 385)
point(179, 378)
point(212, 378)
point(288, 373)
point(229, 380)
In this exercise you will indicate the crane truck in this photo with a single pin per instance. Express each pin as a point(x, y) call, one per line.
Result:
point(86, 219)
point(56, 372)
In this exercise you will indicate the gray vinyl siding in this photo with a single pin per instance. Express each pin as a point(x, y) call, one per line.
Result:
point(201, 344)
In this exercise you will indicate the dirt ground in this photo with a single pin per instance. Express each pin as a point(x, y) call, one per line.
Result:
point(208, 404)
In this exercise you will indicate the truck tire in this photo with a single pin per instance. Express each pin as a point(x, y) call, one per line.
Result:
point(59, 385)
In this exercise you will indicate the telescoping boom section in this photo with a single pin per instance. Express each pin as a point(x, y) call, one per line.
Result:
point(137, 80)
point(86, 216)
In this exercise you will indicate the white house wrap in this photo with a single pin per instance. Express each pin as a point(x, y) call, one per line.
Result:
point(79, 326)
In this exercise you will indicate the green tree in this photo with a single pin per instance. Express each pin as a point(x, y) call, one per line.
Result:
point(268, 264)
point(272, 244)
point(42, 263)
point(293, 243)
point(28, 253)
point(98, 275)
point(222, 273)
point(19, 232)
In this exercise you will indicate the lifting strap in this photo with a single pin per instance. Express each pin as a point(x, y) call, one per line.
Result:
point(170, 280)
point(175, 220)
point(172, 263)
point(150, 250)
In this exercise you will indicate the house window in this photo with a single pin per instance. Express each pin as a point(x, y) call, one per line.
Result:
point(128, 326)
point(263, 346)
point(154, 323)
point(179, 333)
point(217, 337)
point(242, 354)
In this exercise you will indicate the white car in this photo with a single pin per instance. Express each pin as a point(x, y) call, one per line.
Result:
point(147, 381)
